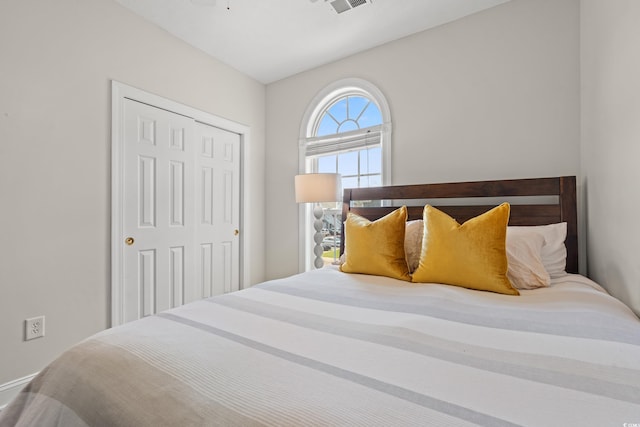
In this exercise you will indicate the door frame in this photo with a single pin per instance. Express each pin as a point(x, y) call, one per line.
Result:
point(120, 92)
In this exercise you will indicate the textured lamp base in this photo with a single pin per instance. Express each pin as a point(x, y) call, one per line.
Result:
point(317, 237)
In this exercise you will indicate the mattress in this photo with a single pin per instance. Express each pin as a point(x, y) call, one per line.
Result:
point(328, 348)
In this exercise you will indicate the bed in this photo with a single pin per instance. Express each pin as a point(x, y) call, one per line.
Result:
point(328, 348)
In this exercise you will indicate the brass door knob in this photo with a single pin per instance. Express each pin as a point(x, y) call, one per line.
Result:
point(236, 232)
point(129, 241)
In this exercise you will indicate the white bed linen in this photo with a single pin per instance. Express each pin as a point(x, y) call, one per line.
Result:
point(329, 348)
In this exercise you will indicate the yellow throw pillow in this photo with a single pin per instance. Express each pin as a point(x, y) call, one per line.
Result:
point(376, 247)
point(471, 255)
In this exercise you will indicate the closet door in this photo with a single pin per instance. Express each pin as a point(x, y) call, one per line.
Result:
point(181, 210)
point(218, 210)
point(159, 209)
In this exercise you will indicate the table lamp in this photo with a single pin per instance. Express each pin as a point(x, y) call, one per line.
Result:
point(318, 188)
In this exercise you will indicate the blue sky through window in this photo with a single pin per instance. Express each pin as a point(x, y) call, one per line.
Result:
point(327, 164)
point(347, 114)
point(370, 117)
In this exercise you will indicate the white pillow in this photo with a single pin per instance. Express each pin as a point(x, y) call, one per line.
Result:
point(534, 253)
point(554, 252)
point(413, 243)
point(526, 270)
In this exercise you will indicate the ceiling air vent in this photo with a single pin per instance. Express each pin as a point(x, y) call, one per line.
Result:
point(344, 5)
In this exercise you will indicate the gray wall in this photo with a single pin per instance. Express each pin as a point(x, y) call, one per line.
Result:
point(494, 95)
point(610, 56)
point(57, 60)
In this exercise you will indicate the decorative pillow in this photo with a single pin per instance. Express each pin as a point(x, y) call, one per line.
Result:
point(376, 247)
point(554, 252)
point(524, 249)
point(472, 255)
point(413, 243)
point(526, 270)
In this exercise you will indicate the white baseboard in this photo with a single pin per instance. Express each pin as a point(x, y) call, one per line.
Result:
point(11, 389)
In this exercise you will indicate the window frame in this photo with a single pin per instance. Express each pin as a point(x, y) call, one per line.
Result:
point(311, 120)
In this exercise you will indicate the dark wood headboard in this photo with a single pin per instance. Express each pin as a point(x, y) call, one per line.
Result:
point(523, 212)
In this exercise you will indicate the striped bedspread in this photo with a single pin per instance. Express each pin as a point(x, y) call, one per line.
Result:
point(326, 348)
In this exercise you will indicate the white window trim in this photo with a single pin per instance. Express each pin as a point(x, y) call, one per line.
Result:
point(331, 92)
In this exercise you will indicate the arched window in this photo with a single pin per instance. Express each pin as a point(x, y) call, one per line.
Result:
point(346, 129)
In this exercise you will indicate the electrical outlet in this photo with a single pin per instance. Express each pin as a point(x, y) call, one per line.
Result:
point(33, 328)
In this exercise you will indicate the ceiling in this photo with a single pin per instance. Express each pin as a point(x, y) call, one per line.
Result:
point(273, 39)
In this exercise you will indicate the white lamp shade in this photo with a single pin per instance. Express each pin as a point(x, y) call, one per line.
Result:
point(318, 187)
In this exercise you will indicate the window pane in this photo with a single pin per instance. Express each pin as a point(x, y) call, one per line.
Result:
point(364, 161)
point(328, 126)
point(348, 163)
point(356, 105)
point(370, 117)
point(339, 110)
point(349, 182)
point(375, 181)
point(327, 164)
point(331, 230)
point(347, 126)
point(375, 160)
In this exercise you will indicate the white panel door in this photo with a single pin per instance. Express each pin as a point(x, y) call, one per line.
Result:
point(218, 211)
point(176, 207)
point(159, 210)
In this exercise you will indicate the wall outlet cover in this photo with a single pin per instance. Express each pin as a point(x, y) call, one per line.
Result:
point(33, 328)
